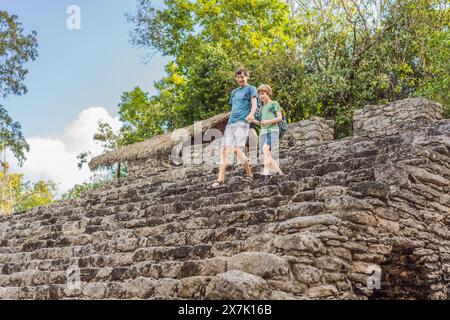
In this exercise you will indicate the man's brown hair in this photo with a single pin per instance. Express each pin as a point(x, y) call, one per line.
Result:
point(242, 70)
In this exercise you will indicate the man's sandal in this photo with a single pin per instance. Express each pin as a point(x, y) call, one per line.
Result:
point(247, 179)
point(218, 184)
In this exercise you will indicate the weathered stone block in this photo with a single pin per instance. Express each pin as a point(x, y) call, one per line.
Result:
point(398, 116)
point(141, 288)
point(237, 285)
point(322, 292)
point(299, 242)
point(265, 265)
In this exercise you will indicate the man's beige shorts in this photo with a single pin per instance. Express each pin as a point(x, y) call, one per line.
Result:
point(236, 135)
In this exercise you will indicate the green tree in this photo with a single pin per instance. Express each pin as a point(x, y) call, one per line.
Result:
point(373, 52)
point(208, 40)
point(11, 137)
point(16, 49)
point(9, 191)
point(76, 191)
point(322, 57)
point(202, 91)
point(245, 29)
point(141, 117)
point(17, 195)
point(109, 141)
point(36, 194)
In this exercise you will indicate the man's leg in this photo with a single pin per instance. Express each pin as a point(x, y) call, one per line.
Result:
point(241, 156)
point(227, 142)
point(241, 135)
point(223, 163)
point(253, 147)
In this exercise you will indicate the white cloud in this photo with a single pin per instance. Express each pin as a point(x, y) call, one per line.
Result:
point(55, 158)
point(78, 135)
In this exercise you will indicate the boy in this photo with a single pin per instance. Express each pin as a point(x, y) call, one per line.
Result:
point(243, 107)
point(269, 133)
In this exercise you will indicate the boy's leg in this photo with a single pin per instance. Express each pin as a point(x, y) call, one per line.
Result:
point(262, 142)
point(267, 159)
point(274, 152)
point(275, 166)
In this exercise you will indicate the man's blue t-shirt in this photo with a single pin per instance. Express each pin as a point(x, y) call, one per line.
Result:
point(241, 104)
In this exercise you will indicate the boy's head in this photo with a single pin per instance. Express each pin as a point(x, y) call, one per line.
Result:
point(265, 92)
point(241, 75)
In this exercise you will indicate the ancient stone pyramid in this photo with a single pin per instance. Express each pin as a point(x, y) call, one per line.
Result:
point(362, 217)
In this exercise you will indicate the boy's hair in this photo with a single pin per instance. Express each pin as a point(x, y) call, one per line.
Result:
point(242, 70)
point(266, 88)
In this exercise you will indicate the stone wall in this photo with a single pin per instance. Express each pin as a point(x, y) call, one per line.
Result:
point(308, 133)
point(396, 117)
point(356, 218)
point(303, 134)
point(156, 163)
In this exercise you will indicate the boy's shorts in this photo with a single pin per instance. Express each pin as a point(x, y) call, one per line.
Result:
point(270, 138)
point(236, 135)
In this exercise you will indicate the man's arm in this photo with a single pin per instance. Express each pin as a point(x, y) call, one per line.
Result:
point(251, 116)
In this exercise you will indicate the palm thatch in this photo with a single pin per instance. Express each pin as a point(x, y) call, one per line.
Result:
point(161, 144)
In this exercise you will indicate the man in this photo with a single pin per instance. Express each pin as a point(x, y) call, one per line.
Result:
point(243, 107)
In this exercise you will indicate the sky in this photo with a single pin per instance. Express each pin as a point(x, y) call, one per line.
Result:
point(76, 81)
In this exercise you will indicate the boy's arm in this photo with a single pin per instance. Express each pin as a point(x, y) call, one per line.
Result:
point(279, 118)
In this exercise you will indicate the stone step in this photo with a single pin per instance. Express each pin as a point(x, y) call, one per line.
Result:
point(205, 207)
point(139, 288)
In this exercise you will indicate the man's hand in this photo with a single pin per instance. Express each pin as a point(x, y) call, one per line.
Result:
point(250, 118)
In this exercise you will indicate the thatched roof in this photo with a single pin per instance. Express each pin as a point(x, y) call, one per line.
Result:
point(161, 144)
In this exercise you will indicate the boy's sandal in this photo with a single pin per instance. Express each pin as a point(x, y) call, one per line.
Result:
point(218, 184)
point(279, 174)
point(248, 179)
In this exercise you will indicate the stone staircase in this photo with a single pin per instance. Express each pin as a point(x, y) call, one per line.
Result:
point(357, 218)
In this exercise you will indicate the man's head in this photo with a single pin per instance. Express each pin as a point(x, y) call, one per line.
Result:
point(242, 76)
point(265, 92)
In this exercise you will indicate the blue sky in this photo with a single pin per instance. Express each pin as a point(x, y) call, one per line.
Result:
point(76, 81)
point(77, 69)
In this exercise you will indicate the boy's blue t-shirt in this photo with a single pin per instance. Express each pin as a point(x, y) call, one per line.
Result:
point(240, 104)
